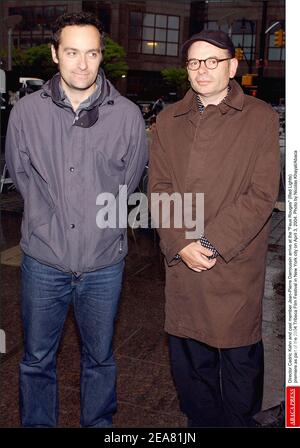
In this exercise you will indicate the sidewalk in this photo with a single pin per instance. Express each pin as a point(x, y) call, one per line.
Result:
point(146, 394)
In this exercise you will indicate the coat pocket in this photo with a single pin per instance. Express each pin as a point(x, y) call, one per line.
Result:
point(40, 187)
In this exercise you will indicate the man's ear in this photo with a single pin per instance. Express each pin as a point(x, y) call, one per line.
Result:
point(233, 67)
point(54, 54)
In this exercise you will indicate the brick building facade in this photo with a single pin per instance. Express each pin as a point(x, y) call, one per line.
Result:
point(152, 32)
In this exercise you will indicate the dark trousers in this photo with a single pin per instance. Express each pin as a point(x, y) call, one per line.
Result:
point(217, 387)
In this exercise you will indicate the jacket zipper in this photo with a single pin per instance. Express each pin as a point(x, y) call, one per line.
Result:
point(121, 244)
point(75, 118)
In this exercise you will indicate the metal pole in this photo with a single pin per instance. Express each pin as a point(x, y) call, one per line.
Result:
point(251, 53)
point(262, 50)
point(9, 52)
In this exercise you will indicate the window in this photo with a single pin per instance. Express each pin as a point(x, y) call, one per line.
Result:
point(35, 27)
point(211, 25)
point(37, 18)
point(153, 34)
point(101, 10)
point(243, 33)
point(243, 36)
point(275, 53)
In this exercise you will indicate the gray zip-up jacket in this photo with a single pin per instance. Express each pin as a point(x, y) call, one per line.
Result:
point(60, 163)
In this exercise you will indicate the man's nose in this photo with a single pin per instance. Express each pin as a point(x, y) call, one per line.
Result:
point(82, 62)
point(202, 67)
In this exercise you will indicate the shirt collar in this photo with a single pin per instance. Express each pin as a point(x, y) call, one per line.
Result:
point(200, 104)
point(88, 101)
point(234, 99)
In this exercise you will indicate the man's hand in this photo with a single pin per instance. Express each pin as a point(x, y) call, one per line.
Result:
point(194, 255)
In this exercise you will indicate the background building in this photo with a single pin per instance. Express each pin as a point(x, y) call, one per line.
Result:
point(152, 32)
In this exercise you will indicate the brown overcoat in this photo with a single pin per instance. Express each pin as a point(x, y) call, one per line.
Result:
point(231, 154)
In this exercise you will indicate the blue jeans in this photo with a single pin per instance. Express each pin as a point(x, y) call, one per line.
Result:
point(46, 296)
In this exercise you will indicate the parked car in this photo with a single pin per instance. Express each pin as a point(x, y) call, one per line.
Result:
point(29, 85)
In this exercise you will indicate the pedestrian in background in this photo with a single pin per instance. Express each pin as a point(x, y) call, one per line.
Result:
point(158, 106)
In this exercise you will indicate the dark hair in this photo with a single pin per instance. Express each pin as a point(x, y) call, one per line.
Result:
point(77, 18)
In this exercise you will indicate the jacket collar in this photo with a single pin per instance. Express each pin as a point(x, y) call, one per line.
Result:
point(89, 115)
point(234, 100)
point(186, 104)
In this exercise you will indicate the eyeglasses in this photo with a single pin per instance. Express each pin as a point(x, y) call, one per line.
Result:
point(210, 63)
